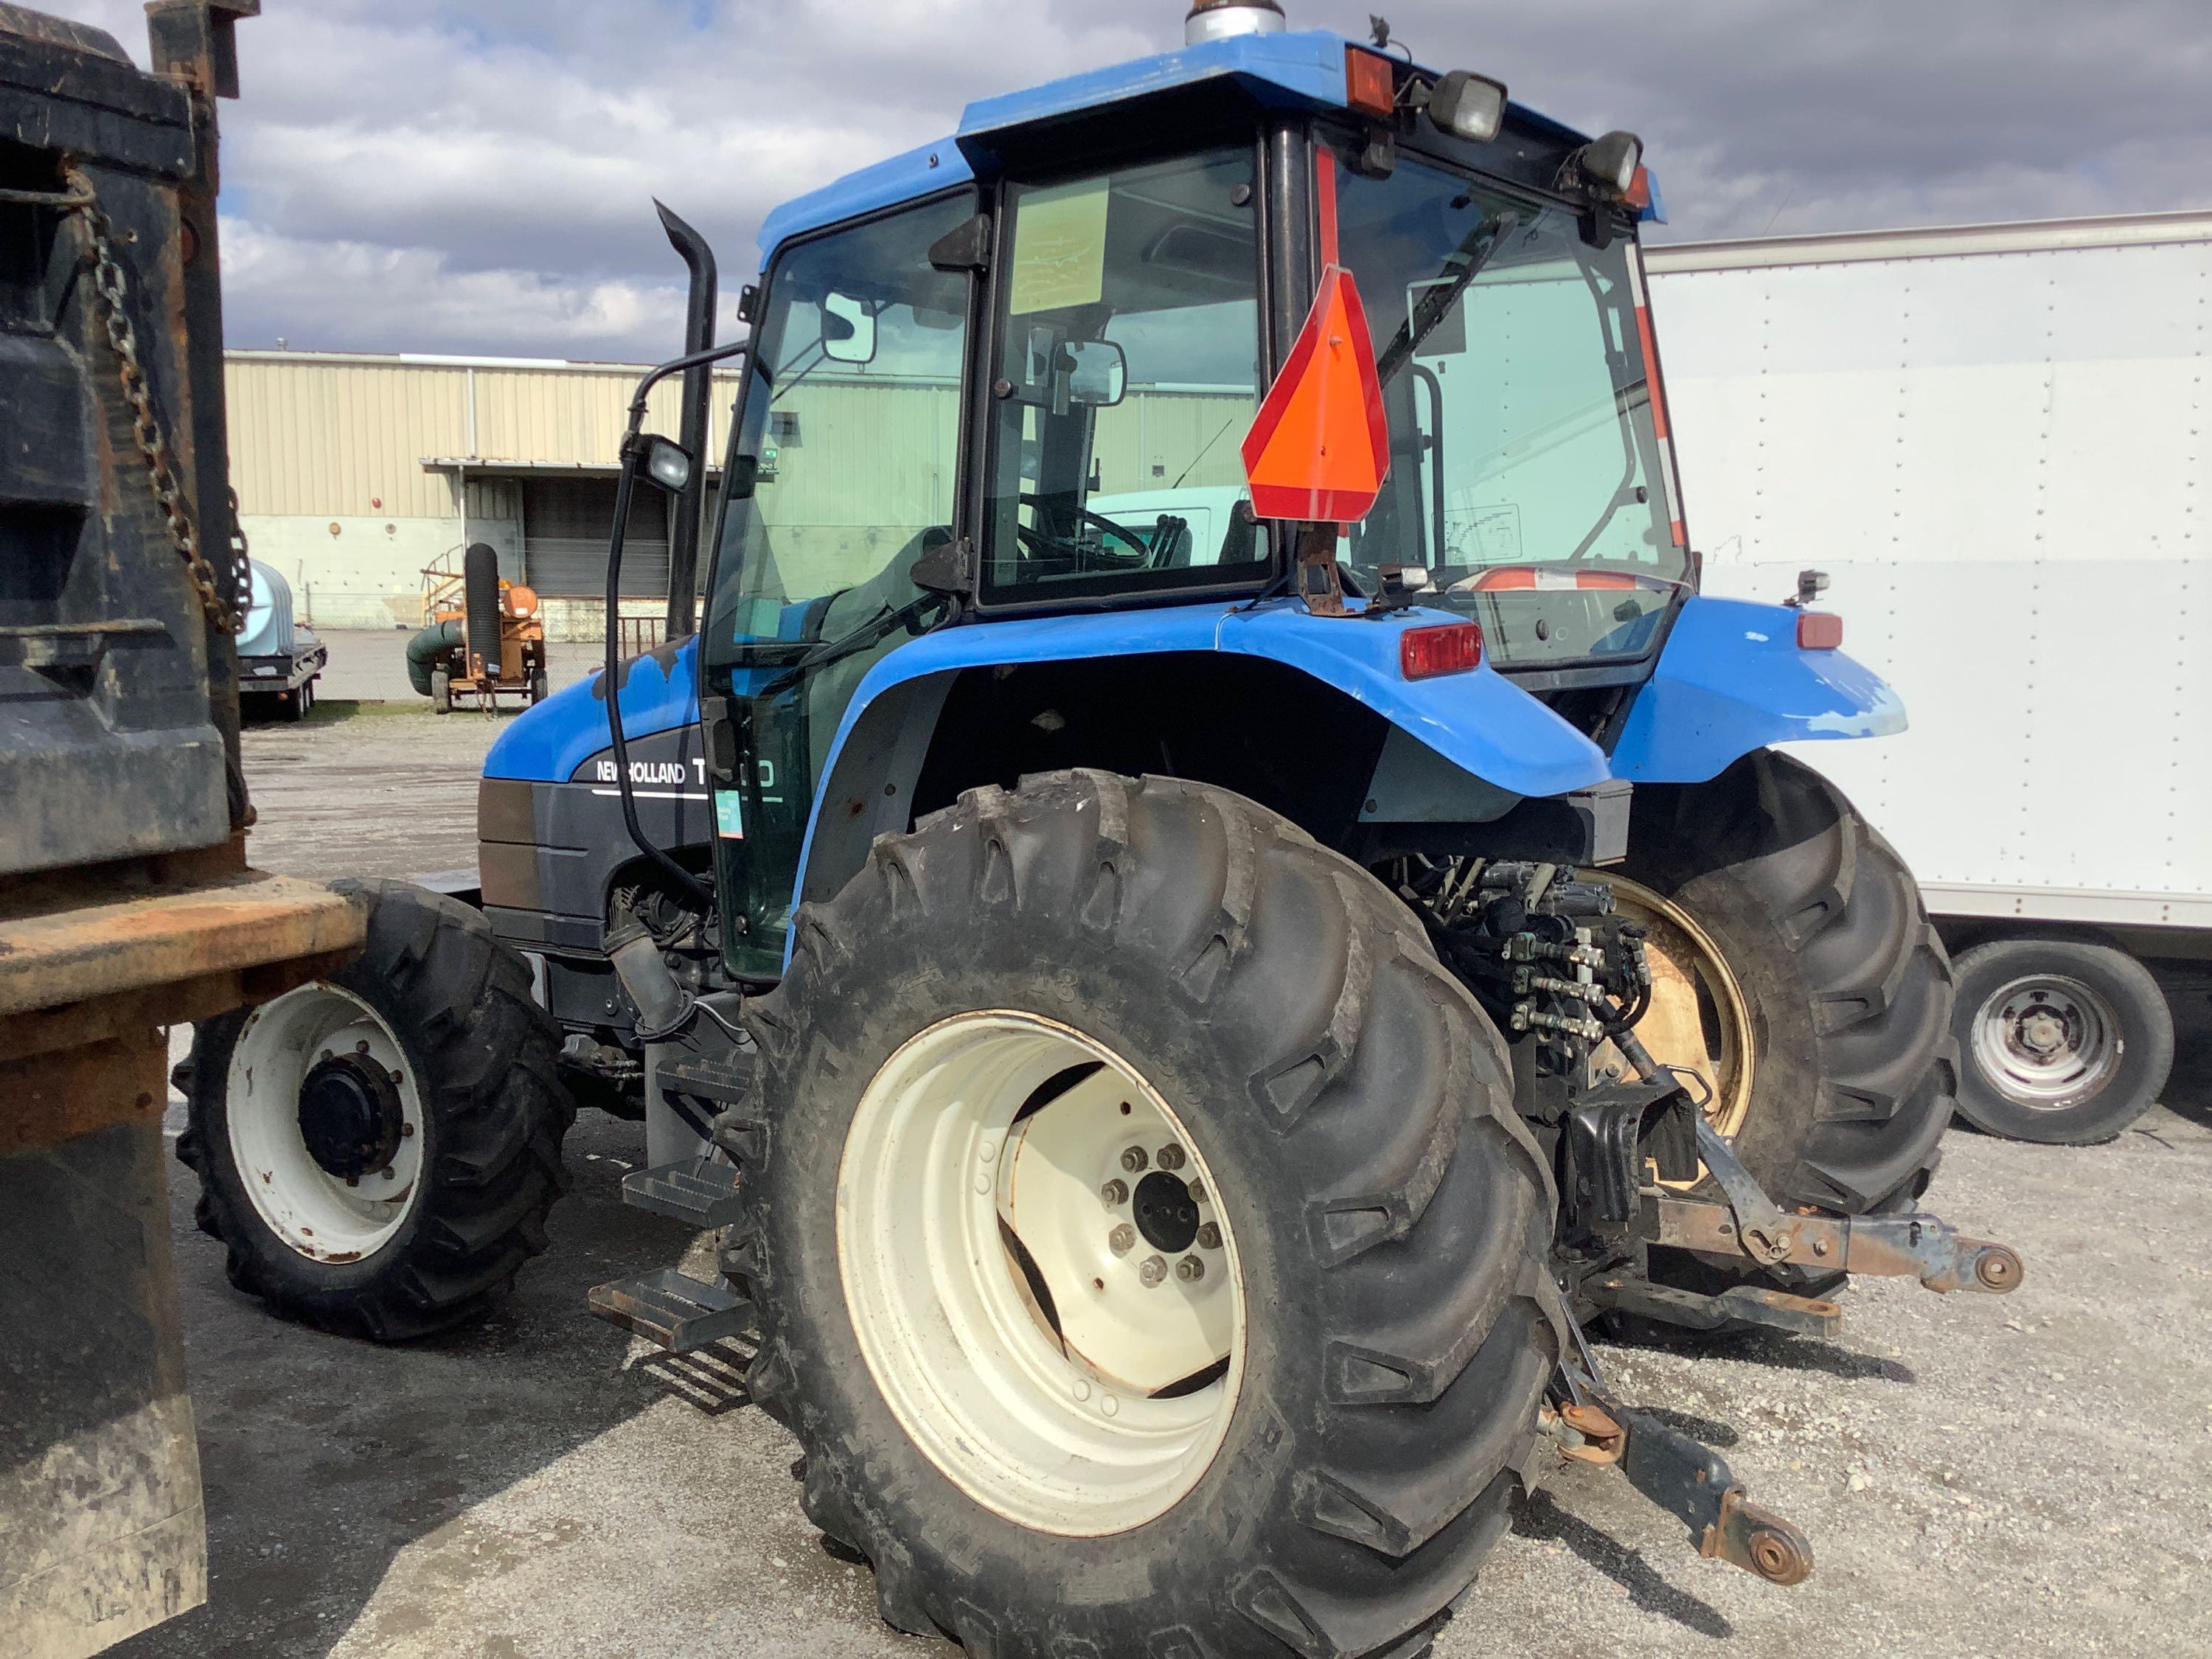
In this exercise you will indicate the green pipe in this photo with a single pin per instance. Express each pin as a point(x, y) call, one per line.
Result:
point(427, 648)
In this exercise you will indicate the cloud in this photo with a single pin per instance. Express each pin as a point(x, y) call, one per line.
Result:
point(477, 174)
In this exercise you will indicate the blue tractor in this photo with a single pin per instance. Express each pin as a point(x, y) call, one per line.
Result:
point(1207, 897)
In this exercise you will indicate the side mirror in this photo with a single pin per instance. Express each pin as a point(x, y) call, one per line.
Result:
point(1100, 378)
point(664, 463)
point(848, 330)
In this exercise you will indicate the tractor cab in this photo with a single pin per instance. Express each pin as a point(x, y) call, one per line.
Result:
point(1016, 375)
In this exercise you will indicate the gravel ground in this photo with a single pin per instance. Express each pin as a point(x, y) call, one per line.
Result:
point(2024, 1475)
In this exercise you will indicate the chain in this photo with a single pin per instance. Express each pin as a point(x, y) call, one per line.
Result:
point(112, 289)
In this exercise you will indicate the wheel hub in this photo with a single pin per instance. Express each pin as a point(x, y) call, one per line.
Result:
point(350, 1118)
point(2046, 1041)
point(2043, 1033)
point(1167, 1215)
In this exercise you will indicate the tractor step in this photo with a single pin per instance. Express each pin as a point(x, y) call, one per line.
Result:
point(1739, 1304)
point(670, 1308)
point(728, 1083)
point(702, 1191)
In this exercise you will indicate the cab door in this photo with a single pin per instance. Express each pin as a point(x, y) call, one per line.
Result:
point(846, 469)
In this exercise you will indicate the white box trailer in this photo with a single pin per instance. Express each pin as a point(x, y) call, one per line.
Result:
point(1994, 440)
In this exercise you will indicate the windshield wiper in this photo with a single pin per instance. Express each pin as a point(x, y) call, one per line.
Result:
point(1435, 305)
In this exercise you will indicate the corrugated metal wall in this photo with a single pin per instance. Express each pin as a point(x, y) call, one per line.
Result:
point(327, 454)
point(328, 436)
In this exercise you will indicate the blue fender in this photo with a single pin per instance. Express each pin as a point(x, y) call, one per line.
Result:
point(1479, 721)
point(1732, 679)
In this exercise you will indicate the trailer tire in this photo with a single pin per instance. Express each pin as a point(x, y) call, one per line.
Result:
point(2109, 1051)
point(1347, 1112)
point(471, 1127)
point(1846, 985)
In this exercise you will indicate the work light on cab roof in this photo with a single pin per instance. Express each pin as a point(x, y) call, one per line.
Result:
point(1217, 20)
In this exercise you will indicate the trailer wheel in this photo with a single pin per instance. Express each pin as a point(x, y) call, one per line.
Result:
point(1794, 971)
point(1147, 1256)
point(378, 1150)
point(2064, 1042)
point(442, 691)
point(540, 689)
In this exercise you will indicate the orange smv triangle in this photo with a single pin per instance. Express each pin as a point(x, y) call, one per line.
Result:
point(1320, 448)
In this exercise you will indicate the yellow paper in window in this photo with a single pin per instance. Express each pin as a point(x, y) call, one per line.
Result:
point(1060, 248)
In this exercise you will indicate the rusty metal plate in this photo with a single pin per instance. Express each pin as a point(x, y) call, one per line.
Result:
point(52, 957)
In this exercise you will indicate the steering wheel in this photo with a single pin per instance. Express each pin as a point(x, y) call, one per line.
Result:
point(1038, 541)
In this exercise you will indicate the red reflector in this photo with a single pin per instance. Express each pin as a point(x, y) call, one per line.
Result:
point(1425, 653)
point(1368, 85)
point(1819, 630)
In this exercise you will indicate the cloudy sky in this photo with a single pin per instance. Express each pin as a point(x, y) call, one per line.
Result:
point(476, 175)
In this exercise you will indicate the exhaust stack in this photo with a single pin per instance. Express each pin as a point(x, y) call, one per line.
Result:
point(1217, 20)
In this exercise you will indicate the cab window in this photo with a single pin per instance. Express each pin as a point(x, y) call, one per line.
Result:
point(1128, 375)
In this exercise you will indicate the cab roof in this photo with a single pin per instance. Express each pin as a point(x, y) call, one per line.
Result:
point(1301, 70)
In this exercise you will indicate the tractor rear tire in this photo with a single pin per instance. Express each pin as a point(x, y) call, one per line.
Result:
point(1275, 1027)
point(1847, 988)
point(291, 1129)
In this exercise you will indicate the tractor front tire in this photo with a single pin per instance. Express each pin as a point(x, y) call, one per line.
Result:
point(1844, 1073)
point(1026, 1052)
point(378, 1151)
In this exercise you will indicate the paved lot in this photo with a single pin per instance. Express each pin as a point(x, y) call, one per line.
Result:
point(1979, 1476)
point(367, 666)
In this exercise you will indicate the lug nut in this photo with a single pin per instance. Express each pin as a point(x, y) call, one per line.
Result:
point(1170, 1156)
point(1154, 1271)
point(1122, 1239)
point(1190, 1270)
point(362, 1047)
point(1198, 1192)
point(1209, 1236)
point(1113, 1194)
point(1133, 1160)
point(327, 1054)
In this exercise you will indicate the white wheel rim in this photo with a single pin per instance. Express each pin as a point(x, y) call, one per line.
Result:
point(316, 1213)
point(2047, 1041)
point(1069, 1434)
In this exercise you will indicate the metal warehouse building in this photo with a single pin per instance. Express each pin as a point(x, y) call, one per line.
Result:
point(358, 474)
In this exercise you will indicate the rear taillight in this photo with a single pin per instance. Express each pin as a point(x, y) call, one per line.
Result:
point(1819, 630)
point(1425, 653)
